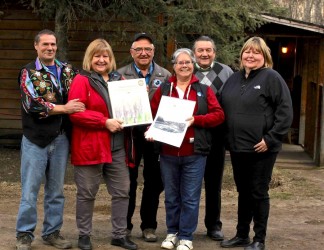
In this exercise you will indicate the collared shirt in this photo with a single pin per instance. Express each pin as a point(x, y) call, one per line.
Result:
point(55, 78)
point(40, 89)
point(148, 75)
point(204, 69)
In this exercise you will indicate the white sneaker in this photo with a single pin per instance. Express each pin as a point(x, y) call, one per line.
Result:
point(170, 241)
point(185, 245)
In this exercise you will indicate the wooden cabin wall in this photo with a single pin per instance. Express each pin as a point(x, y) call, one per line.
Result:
point(311, 88)
point(319, 156)
point(17, 31)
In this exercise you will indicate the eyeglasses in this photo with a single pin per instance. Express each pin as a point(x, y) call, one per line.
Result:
point(181, 63)
point(139, 50)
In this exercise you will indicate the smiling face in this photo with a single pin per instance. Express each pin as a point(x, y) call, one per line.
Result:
point(252, 59)
point(100, 62)
point(204, 53)
point(46, 49)
point(183, 67)
point(142, 52)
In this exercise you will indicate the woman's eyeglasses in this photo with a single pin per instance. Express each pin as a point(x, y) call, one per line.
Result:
point(181, 63)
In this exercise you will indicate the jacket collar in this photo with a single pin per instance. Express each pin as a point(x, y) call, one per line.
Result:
point(252, 73)
point(192, 80)
point(40, 65)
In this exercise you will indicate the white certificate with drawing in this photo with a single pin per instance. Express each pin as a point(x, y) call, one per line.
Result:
point(170, 125)
point(130, 102)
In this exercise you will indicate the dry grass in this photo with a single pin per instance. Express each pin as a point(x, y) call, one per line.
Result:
point(284, 184)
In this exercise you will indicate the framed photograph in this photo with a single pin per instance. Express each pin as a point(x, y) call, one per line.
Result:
point(130, 102)
point(170, 125)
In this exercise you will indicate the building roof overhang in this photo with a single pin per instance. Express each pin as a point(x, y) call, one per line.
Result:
point(294, 23)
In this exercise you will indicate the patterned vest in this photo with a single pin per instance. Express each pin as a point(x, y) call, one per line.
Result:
point(42, 131)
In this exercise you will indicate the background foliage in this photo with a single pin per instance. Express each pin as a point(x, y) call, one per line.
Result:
point(177, 22)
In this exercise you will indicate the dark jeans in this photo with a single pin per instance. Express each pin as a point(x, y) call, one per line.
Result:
point(153, 185)
point(252, 175)
point(213, 186)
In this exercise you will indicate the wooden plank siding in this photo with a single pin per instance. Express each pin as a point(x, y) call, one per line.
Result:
point(17, 31)
point(18, 28)
point(313, 69)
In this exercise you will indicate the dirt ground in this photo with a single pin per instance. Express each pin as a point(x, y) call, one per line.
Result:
point(296, 217)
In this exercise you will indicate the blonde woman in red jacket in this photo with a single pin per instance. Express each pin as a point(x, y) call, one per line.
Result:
point(98, 146)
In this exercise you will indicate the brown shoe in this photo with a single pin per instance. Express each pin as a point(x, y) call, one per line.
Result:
point(57, 240)
point(23, 241)
point(149, 235)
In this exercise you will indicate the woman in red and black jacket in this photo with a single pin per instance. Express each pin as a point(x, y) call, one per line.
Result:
point(183, 168)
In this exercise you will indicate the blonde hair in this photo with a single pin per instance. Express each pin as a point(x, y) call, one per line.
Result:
point(259, 45)
point(98, 46)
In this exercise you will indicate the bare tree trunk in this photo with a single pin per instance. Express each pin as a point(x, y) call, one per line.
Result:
point(318, 15)
point(308, 8)
point(61, 30)
point(304, 10)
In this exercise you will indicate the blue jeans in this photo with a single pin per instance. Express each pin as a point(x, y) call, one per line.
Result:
point(46, 164)
point(182, 178)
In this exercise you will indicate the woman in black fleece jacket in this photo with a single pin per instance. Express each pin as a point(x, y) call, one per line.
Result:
point(258, 113)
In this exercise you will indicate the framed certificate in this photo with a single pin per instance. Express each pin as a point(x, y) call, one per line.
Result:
point(130, 102)
point(170, 125)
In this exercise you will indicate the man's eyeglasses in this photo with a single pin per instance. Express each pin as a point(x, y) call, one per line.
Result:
point(181, 63)
point(139, 50)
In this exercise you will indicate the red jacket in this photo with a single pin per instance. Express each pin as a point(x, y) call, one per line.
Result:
point(90, 139)
point(214, 117)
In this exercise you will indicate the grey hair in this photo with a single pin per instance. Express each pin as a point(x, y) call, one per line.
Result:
point(205, 39)
point(189, 52)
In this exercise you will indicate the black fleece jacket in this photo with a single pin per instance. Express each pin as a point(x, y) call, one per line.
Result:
point(256, 107)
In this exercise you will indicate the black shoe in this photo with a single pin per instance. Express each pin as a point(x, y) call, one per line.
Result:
point(124, 243)
point(255, 246)
point(215, 235)
point(235, 242)
point(84, 242)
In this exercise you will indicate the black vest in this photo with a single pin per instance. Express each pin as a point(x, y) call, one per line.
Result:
point(42, 131)
point(202, 142)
